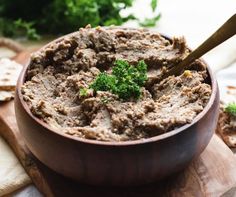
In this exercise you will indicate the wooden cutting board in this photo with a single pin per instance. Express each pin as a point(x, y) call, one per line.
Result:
point(212, 174)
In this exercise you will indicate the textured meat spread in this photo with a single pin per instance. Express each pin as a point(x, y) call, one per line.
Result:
point(58, 72)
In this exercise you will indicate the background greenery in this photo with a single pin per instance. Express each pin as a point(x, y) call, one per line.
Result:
point(36, 17)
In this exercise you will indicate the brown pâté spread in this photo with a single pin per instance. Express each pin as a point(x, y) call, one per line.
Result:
point(59, 71)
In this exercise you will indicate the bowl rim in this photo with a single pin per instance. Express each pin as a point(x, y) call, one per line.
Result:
point(160, 137)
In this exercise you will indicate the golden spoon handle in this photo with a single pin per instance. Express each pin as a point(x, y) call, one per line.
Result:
point(226, 31)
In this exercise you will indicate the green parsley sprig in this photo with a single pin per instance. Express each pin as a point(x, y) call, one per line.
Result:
point(125, 80)
point(83, 92)
point(231, 108)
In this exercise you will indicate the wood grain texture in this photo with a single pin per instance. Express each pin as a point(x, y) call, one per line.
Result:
point(212, 174)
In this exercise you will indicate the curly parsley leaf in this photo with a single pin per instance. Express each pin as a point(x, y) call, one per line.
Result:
point(125, 80)
point(231, 108)
point(104, 82)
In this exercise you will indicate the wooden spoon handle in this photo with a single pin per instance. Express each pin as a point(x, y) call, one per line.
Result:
point(226, 31)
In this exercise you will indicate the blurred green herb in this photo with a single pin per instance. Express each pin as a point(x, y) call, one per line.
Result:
point(125, 80)
point(33, 18)
point(104, 100)
point(231, 108)
point(150, 22)
point(83, 92)
point(154, 5)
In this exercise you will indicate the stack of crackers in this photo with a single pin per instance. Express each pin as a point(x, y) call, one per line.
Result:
point(9, 73)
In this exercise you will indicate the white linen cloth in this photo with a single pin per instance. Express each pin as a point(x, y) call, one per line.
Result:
point(12, 174)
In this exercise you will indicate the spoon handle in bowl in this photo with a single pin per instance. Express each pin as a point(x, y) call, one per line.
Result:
point(226, 31)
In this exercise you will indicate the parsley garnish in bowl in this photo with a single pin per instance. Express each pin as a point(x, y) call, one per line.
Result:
point(124, 81)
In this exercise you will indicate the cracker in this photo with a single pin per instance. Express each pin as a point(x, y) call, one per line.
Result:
point(6, 95)
point(226, 127)
point(9, 73)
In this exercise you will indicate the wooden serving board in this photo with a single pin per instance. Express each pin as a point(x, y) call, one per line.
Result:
point(212, 174)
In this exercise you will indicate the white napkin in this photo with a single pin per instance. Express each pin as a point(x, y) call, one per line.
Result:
point(12, 174)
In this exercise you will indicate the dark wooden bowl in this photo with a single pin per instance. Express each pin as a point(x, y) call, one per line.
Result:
point(117, 163)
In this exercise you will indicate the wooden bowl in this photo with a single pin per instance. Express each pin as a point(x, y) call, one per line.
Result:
point(117, 163)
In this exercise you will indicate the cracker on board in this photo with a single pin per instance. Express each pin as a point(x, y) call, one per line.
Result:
point(6, 95)
point(226, 126)
point(9, 72)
